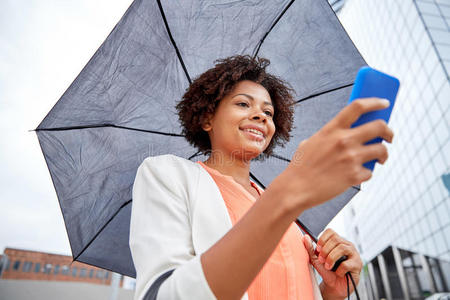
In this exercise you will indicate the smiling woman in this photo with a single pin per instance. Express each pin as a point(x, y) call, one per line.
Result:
point(215, 234)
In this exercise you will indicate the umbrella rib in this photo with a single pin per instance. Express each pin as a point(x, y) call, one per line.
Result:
point(280, 157)
point(106, 125)
point(194, 155)
point(271, 27)
point(257, 181)
point(101, 229)
point(173, 42)
point(324, 92)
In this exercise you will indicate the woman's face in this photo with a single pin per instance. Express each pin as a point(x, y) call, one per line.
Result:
point(242, 125)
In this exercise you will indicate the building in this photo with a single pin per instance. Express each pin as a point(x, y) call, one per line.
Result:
point(20, 264)
point(400, 221)
point(56, 290)
point(336, 5)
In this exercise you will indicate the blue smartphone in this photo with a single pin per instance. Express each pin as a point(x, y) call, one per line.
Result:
point(373, 83)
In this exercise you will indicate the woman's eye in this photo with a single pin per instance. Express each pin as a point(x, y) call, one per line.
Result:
point(244, 104)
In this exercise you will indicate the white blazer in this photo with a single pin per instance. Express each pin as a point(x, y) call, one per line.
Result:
point(177, 214)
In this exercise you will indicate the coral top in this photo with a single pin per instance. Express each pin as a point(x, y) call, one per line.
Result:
point(286, 275)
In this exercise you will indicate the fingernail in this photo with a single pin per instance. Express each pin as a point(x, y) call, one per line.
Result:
point(308, 238)
point(321, 259)
point(327, 266)
point(385, 102)
point(318, 248)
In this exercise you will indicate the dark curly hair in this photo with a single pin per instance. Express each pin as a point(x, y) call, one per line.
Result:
point(204, 94)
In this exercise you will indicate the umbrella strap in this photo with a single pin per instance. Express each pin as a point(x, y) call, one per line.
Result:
point(347, 276)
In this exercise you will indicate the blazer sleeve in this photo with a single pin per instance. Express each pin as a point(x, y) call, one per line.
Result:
point(167, 266)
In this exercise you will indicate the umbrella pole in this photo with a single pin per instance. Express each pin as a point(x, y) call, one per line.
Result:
point(306, 230)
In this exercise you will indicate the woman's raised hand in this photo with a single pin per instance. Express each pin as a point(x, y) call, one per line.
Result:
point(323, 166)
point(331, 160)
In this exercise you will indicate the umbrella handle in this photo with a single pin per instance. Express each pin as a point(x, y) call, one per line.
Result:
point(339, 262)
point(336, 264)
point(311, 235)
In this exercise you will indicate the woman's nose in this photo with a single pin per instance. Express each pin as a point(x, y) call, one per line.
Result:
point(260, 116)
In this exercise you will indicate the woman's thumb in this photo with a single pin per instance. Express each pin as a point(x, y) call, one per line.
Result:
point(310, 249)
point(309, 246)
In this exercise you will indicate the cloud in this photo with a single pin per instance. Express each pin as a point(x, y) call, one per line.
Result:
point(45, 44)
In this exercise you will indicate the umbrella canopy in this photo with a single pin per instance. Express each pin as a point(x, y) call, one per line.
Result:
point(121, 107)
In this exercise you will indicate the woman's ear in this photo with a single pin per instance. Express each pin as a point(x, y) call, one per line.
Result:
point(206, 126)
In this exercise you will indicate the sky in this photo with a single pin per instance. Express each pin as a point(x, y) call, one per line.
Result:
point(44, 46)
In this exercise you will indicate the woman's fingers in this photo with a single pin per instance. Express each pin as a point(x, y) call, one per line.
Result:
point(371, 130)
point(376, 151)
point(336, 253)
point(352, 265)
point(347, 116)
point(308, 246)
point(327, 242)
point(330, 243)
point(324, 237)
point(313, 258)
point(332, 247)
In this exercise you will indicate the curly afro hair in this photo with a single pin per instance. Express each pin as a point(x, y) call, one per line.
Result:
point(204, 94)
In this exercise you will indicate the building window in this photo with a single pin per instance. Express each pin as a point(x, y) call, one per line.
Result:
point(107, 275)
point(82, 272)
point(91, 273)
point(7, 265)
point(56, 269)
point(16, 265)
point(47, 268)
point(74, 271)
point(27, 266)
point(65, 270)
point(446, 180)
point(100, 274)
point(37, 267)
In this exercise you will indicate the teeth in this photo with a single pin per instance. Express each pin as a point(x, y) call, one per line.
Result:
point(254, 131)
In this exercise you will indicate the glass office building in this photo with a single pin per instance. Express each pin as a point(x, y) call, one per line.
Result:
point(400, 221)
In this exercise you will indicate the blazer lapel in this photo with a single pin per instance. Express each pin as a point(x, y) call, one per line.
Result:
point(210, 219)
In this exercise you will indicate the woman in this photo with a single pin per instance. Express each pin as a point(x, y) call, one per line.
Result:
point(204, 231)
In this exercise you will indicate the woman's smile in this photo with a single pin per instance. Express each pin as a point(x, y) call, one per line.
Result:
point(253, 134)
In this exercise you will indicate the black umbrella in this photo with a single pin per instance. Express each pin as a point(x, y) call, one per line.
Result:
point(121, 107)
